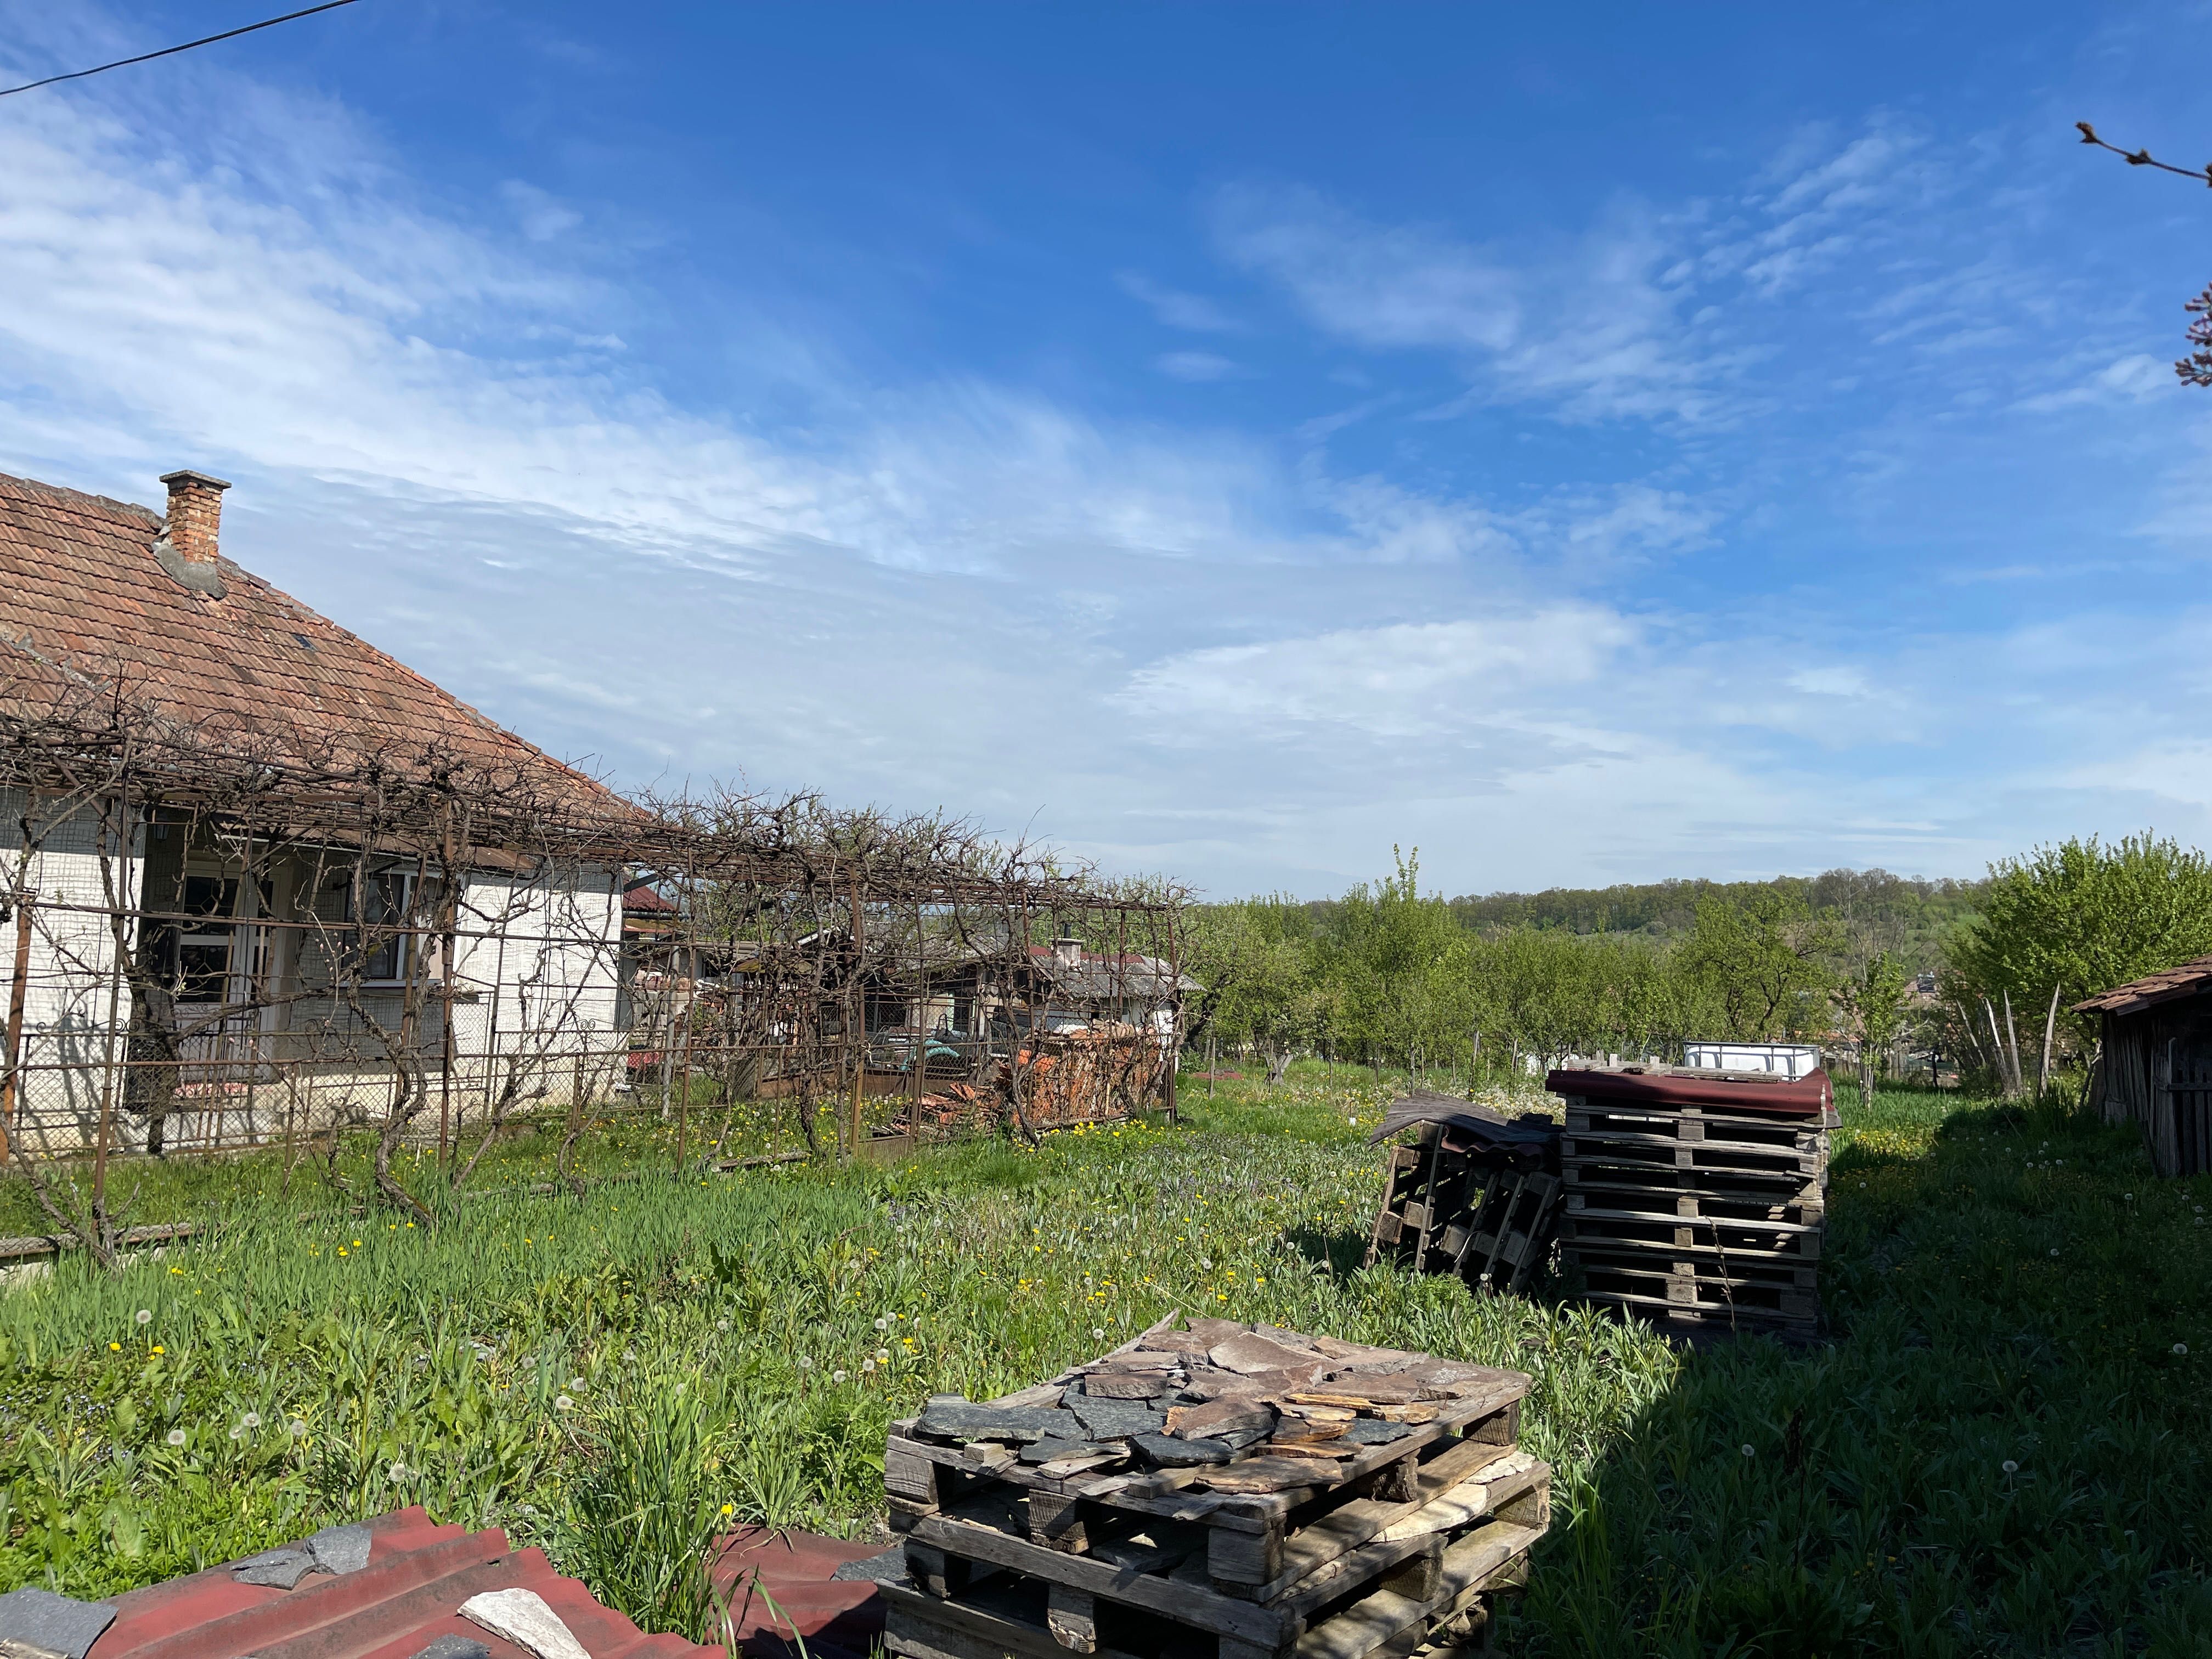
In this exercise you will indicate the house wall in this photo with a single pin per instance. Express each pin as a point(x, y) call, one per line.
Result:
point(70, 986)
point(535, 1011)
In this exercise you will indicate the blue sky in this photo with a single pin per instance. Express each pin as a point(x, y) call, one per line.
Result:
point(1590, 445)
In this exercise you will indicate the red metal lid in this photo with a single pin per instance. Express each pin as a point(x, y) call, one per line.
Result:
point(1688, 1086)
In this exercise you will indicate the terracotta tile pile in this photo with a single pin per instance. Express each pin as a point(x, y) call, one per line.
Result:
point(1242, 1491)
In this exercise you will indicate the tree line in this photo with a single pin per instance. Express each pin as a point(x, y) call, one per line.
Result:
point(1888, 972)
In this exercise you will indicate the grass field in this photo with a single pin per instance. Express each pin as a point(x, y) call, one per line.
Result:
point(2002, 1452)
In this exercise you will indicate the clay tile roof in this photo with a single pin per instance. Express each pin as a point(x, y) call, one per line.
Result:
point(82, 595)
point(2162, 987)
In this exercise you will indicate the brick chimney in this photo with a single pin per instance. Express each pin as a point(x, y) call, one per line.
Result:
point(195, 515)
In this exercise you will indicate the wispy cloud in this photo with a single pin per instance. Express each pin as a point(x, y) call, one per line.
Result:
point(1195, 365)
point(1177, 309)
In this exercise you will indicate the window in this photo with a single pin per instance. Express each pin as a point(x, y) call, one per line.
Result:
point(201, 968)
point(386, 948)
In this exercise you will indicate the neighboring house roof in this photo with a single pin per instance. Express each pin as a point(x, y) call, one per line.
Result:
point(87, 598)
point(2186, 979)
point(1103, 974)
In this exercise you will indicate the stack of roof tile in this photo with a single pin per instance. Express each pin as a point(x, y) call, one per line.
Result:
point(1256, 1489)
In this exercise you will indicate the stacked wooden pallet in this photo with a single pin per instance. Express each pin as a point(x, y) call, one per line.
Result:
point(1475, 1195)
point(1224, 1490)
point(1695, 1197)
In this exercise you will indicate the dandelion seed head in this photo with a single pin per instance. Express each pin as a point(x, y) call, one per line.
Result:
point(1749, 1452)
point(837, 1376)
point(2054, 1250)
point(723, 1326)
point(175, 1437)
point(882, 1324)
point(2181, 1349)
point(251, 1420)
point(1098, 1333)
point(2010, 1467)
point(397, 1472)
point(562, 1403)
point(866, 1365)
point(298, 1428)
point(144, 1316)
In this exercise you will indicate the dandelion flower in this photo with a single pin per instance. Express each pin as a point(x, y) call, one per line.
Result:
point(175, 1437)
point(1748, 1452)
point(144, 1316)
point(158, 1348)
point(562, 1403)
point(729, 1509)
point(115, 1348)
point(2010, 1467)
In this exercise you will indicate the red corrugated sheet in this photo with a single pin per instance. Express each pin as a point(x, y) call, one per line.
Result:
point(1686, 1085)
point(777, 1581)
point(408, 1596)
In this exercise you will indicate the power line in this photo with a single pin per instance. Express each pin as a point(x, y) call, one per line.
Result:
point(148, 57)
point(2142, 158)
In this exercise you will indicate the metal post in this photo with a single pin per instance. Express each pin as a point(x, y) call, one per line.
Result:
point(857, 1027)
point(11, 1085)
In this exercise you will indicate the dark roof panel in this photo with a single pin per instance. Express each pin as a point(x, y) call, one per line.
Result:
point(2186, 979)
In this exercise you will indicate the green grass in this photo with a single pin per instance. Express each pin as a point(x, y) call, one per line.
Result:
point(1873, 1514)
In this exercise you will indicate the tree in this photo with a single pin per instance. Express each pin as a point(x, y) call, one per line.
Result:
point(1870, 1010)
point(2083, 916)
point(1760, 968)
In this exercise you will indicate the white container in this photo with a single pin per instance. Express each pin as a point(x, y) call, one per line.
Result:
point(1784, 1058)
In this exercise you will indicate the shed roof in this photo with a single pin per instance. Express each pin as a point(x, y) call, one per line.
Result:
point(85, 601)
point(2186, 979)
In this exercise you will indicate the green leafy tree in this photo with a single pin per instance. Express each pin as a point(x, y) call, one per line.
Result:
point(2081, 917)
point(1760, 970)
point(1870, 1007)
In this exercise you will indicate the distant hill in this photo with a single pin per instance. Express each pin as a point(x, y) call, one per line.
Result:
point(1902, 913)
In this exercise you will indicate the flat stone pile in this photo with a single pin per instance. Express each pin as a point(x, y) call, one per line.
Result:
point(1251, 1490)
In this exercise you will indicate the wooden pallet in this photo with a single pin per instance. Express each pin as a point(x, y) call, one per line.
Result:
point(1784, 1133)
point(1680, 1285)
point(1637, 1153)
point(1760, 1240)
point(992, 1610)
point(1804, 1204)
point(1482, 1214)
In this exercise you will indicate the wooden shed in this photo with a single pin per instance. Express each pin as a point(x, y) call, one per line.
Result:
point(2156, 1068)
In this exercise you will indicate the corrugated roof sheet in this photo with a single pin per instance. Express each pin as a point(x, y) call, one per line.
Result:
point(778, 1586)
point(2186, 979)
point(408, 1596)
point(83, 598)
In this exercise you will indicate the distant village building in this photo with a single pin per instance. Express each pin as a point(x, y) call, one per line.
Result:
point(2154, 1067)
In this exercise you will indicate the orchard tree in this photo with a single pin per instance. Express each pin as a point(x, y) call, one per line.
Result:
point(1870, 1007)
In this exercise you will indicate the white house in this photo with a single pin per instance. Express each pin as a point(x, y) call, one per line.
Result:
point(174, 967)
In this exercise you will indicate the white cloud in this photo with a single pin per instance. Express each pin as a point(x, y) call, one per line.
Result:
point(1176, 308)
point(1195, 365)
point(1402, 681)
point(1591, 329)
point(541, 215)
